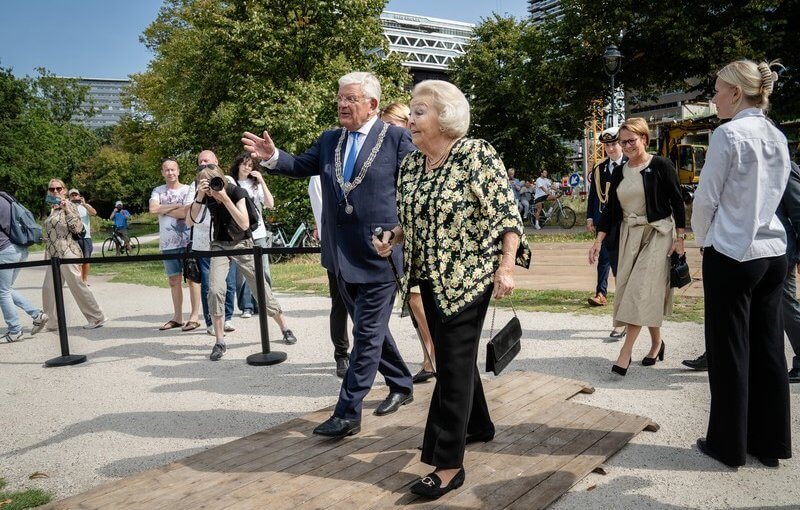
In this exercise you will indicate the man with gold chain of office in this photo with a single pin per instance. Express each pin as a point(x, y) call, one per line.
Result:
point(604, 177)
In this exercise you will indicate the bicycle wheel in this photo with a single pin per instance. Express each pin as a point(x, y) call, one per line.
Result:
point(567, 217)
point(309, 241)
point(109, 247)
point(274, 258)
point(133, 249)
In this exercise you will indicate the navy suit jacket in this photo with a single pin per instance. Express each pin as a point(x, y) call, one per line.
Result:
point(347, 248)
point(789, 214)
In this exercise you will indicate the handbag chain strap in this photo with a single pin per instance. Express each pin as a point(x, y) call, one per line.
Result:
point(494, 313)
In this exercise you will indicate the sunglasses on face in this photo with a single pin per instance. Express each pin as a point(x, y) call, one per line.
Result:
point(56, 189)
point(210, 166)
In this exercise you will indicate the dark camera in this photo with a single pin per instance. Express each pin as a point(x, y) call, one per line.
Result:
point(216, 183)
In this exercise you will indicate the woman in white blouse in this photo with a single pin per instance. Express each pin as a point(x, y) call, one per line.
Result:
point(744, 265)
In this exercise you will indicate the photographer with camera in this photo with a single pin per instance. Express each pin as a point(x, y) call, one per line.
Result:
point(120, 217)
point(85, 211)
point(231, 229)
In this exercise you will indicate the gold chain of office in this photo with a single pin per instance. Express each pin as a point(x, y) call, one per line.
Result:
point(347, 187)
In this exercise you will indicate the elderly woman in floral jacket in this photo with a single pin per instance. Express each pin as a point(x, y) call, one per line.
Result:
point(60, 228)
point(462, 235)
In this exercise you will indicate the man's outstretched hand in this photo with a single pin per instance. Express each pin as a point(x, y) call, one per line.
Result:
point(261, 148)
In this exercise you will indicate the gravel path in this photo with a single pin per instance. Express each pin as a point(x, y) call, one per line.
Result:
point(148, 397)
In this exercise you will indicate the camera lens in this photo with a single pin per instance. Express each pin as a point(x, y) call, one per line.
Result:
point(216, 183)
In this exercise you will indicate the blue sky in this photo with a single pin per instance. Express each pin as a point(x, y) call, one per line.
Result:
point(100, 38)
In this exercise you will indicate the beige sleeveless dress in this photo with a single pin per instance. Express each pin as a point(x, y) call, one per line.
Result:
point(643, 295)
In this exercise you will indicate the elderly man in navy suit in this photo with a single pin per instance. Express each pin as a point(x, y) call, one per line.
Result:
point(358, 165)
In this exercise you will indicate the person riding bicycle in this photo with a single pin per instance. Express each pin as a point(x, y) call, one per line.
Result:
point(541, 194)
point(120, 217)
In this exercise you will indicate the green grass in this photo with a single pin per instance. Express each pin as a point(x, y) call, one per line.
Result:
point(684, 308)
point(290, 277)
point(29, 498)
point(576, 236)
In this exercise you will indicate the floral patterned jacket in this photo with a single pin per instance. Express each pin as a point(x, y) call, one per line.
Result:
point(58, 230)
point(454, 218)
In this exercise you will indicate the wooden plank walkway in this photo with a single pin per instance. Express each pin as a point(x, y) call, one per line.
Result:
point(543, 445)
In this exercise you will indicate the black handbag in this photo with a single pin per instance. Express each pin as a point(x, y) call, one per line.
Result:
point(505, 345)
point(191, 271)
point(679, 271)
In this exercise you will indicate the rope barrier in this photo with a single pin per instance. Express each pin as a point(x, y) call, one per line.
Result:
point(265, 357)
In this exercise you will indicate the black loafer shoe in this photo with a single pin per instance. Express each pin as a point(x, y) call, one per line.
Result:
point(393, 402)
point(618, 335)
point(700, 363)
point(422, 376)
point(338, 427)
point(702, 445)
point(768, 461)
point(483, 437)
point(794, 375)
point(430, 486)
point(342, 364)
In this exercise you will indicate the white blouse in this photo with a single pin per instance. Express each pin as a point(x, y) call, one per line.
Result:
point(741, 185)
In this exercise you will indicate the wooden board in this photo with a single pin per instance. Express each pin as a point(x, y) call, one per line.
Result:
point(544, 444)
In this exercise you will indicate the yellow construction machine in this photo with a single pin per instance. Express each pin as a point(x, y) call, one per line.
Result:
point(688, 158)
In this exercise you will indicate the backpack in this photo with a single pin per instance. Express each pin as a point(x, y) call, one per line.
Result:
point(23, 229)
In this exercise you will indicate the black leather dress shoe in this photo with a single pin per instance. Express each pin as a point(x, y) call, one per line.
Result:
point(430, 486)
point(700, 363)
point(794, 375)
point(702, 445)
point(337, 427)
point(342, 364)
point(422, 376)
point(393, 402)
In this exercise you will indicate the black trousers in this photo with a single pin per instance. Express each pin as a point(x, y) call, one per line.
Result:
point(746, 363)
point(338, 319)
point(458, 406)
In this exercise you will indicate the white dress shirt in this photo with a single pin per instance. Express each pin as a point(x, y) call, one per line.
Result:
point(315, 195)
point(741, 185)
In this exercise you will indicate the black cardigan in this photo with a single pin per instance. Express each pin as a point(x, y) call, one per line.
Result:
point(662, 196)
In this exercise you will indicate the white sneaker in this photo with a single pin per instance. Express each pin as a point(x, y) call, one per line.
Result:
point(247, 314)
point(210, 330)
point(39, 322)
point(536, 226)
point(228, 327)
point(96, 324)
point(11, 337)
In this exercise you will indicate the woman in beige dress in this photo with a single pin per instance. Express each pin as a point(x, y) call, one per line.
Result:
point(60, 229)
point(648, 199)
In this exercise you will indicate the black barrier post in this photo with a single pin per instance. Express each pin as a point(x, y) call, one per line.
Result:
point(58, 288)
point(265, 357)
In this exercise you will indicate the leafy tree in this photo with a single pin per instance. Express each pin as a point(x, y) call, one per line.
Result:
point(513, 103)
point(675, 45)
point(37, 141)
point(223, 67)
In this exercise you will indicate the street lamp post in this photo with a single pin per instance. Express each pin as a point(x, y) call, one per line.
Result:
point(612, 62)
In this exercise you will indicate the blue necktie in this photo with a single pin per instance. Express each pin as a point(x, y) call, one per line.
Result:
point(350, 164)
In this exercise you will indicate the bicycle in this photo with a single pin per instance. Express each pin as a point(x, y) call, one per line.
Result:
point(114, 245)
point(302, 237)
point(563, 214)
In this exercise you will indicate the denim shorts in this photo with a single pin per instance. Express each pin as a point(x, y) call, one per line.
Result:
point(173, 267)
point(87, 247)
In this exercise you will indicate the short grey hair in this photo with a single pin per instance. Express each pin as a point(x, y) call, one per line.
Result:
point(368, 81)
point(449, 102)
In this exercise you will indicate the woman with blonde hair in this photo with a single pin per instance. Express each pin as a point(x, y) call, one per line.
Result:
point(396, 113)
point(462, 236)
point(744, 266)
point(648, 202)
point(61, 227)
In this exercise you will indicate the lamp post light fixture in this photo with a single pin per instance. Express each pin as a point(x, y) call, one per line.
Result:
point(612, 62)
